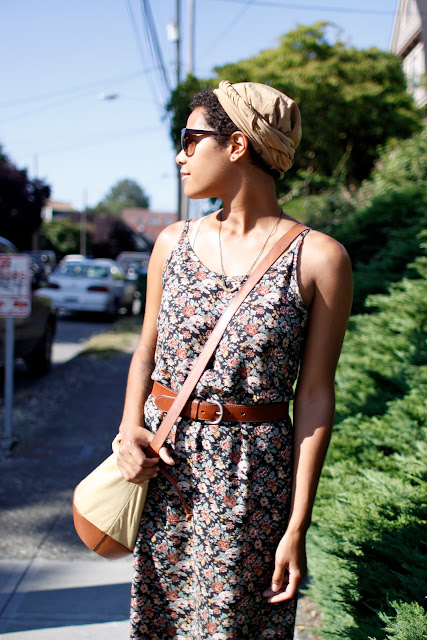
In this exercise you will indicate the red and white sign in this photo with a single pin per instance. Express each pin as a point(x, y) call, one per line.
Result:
point(15, 289)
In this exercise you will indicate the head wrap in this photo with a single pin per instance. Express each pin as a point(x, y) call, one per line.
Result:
point(270, 120)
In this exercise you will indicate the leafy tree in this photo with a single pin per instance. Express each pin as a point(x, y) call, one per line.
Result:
point(61, 236)
point(21, 202)
point(179, 105)
point(351, 100)
point(111, 236)
point(107, 236)
point(124, 194)
point(379, 223)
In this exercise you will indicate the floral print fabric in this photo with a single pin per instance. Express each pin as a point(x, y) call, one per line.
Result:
point(204, 578)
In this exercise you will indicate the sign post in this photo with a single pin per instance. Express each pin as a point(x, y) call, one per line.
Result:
point(15, 302)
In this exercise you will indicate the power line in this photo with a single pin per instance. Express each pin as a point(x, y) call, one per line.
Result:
point(139, 40)
point(228, 28)
point(155, 44)
point(63, 92)
point(107, 138)
point(45, 107)
point(139, 27)
point(306, 7)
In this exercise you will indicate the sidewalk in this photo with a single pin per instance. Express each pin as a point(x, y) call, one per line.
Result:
point(51, 586)
point(66, 600)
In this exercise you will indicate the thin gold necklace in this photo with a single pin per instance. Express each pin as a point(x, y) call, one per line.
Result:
point(236, 286)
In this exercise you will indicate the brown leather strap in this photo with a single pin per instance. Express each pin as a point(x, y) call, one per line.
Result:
point(198, 409)
point(216, 335)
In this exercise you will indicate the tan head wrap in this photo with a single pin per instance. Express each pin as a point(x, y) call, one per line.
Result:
point(270, 120)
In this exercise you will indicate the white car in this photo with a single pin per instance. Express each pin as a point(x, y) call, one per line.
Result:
point(85, 284)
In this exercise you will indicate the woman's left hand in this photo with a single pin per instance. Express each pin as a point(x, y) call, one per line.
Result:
point(290, 568)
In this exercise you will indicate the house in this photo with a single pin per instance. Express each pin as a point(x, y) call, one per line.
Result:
point(148, 223)
point(55, 210)
point(409, 42)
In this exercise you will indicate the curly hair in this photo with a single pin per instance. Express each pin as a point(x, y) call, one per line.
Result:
point(217, 118)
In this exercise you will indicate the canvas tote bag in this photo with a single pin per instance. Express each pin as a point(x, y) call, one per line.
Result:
point(107, 509)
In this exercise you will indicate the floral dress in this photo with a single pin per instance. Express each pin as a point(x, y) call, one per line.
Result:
point(204, 578)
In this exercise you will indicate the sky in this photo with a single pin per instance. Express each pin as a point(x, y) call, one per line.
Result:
point(60, 57)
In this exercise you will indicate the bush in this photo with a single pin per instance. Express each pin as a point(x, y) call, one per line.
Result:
point(61, 236)
point(379, 224)
point(410, 622)
point(365, 547)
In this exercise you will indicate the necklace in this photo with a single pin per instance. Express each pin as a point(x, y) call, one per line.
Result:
point(236, 286)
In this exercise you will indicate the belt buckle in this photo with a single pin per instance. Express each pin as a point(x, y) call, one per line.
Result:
point(221, 411)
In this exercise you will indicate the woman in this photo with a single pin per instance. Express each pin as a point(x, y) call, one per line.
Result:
point(233, 571)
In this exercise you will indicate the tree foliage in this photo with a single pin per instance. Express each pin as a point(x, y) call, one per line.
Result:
point(351, 100)
point(21, 202)
point(379, 224)
point(179, 105)
point(125, 194)
point(110, 236)
point(107, 236)
point(61, 236)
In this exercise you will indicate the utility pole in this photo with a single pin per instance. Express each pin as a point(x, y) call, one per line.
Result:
point(178, 41)
point(83, 224)
point(190, 36)
point(178, 75)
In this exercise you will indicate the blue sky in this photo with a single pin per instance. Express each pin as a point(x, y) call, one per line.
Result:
point(59, 56)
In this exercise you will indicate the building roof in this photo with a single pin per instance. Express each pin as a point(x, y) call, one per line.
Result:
point(147, 222)
point(57, 205)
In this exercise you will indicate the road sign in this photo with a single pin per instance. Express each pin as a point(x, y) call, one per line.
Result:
point(15, 289)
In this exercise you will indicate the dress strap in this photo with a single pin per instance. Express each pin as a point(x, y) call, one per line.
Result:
point(186, 227)
point(195, 230)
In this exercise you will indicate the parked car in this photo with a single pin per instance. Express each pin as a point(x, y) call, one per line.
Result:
point(133, 261)
point(135, 265)
point(33, 335)
point(91, 284)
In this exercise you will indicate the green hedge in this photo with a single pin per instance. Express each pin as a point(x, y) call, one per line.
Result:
point(366, 556)
point(379, 223)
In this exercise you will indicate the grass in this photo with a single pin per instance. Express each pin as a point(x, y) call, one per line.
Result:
point(121, 338)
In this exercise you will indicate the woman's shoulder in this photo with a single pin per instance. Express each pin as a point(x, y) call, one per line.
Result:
point(171, 233)
point(166, 241)
point(324, 265)
point(320, 251)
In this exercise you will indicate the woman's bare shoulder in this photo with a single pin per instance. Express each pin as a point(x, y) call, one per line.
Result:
point(167, 239)
point(322, 254)
point(171, 233)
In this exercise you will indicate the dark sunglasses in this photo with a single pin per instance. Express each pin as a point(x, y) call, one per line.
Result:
point(188, 145)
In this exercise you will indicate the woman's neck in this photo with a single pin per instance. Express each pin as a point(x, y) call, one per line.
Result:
point(249, 207)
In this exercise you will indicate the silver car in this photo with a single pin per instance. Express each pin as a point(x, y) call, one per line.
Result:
point(85, 284)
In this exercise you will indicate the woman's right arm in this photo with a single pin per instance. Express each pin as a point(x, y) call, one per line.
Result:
point(131, 460)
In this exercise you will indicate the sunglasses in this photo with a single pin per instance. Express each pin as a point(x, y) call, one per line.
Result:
point(188, 144)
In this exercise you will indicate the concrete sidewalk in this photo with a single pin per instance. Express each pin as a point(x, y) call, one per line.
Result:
point(67, 600)
point(51, 586)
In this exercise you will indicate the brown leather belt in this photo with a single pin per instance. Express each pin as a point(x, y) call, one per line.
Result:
point(216, 412)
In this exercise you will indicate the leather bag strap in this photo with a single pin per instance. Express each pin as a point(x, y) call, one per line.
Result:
point(200, 365)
